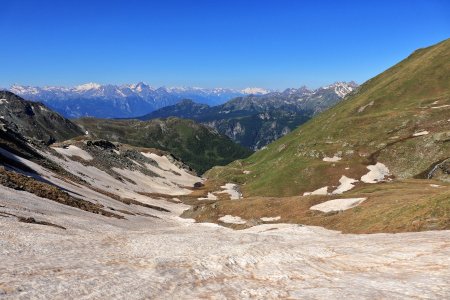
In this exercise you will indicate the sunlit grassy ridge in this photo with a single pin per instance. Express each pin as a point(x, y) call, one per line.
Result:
point(377, 123)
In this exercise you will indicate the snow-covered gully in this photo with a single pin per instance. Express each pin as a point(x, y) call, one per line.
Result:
point(155, 254)
point(141, 257)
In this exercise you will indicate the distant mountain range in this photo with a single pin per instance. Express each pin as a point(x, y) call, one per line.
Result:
point(257, 120)
point(122, 101)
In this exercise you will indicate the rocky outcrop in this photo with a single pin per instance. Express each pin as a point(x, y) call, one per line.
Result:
point(34, 120)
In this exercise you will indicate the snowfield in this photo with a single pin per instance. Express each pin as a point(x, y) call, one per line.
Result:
point(72, 150)
point(338, 204)
point(155, 254)
point(141, 257)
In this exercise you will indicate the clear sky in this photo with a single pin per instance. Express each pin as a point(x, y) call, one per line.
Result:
point(234, 43)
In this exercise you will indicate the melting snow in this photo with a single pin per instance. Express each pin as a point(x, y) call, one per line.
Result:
point(270, 219)
point(232, 190)
point(377, 173)
point(332, 159)
point(362, 108)
point(232, 220)
point(171, 257)
point(442, 106)
point(74, 151)
point(421, 133)
point(321, 191)
point(346, 184)
point(338, 204)
point(210, 196)
point(2, 101)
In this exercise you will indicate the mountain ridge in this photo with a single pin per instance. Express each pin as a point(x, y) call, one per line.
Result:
point(398, 118)
point(35, 120)
point(197, 145)
point(256, 120)
point(127, 100)
point(123, 101)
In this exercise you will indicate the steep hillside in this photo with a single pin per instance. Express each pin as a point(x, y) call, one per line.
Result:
point(256, 120)
point(400, 119)
point(197, 145)
point(109, 227)
point(33, 119)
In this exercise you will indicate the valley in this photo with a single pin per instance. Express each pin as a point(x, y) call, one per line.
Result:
point(254, 121)
point(347, 195)
point(138, 240)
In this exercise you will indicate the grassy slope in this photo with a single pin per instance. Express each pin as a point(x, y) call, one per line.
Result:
point(196, 145)
point(397, 104)
point(407, 205)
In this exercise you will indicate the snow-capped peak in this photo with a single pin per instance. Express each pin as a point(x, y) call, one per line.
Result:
point(22, 89)
point(87, 87)
point(342, 88)
point(255, 91)
point(139, 87)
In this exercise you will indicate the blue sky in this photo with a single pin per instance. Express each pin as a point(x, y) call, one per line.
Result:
point(273, 44)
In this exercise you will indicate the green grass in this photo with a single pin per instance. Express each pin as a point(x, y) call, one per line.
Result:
point(195, 144)
point(398, 103)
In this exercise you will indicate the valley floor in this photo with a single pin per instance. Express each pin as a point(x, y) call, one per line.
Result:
point(174, 258)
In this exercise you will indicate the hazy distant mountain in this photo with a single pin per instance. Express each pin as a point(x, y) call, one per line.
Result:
point(114, 101)
point(256, 120)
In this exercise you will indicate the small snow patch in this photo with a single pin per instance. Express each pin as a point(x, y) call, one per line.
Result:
point(337, 204)
point(321, 191)
point(362, 108)
point(332, 159)
point(246, 172)
point(232, 220)
point(420, 133)
point(435, 185)
point(346, 184)
point(442, 106)
point(376, 173)
point(270, 219)
point(3, 101)
point(232, 190)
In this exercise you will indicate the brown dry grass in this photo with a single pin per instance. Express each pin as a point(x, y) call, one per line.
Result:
point(398, 206)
